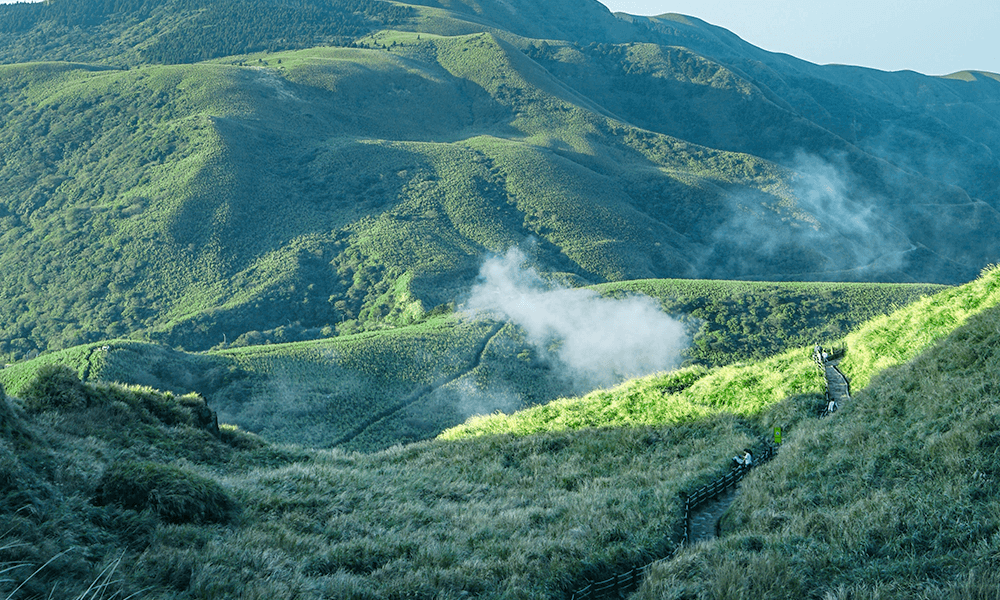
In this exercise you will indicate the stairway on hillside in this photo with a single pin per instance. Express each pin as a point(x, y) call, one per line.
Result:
point(836, 383)
point(705, 519)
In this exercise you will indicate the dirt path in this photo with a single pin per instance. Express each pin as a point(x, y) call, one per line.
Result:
point(422, 391)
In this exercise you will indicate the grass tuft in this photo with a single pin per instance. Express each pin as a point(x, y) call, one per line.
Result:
point(173, 493)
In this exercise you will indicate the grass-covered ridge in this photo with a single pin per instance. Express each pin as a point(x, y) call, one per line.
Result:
point(150, 31)
point(749, 388)
point(896, 496)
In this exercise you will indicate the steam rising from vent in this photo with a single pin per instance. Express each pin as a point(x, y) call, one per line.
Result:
point(824, 192)
point(596, 341)
point(827, 228)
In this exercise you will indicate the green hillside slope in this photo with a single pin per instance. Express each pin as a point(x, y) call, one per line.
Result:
point(134, 32)
point(338, 189)
point(748, 389)
point(893, 495)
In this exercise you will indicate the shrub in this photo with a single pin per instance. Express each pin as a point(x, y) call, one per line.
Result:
point(174, 494)
point(239, 439)
point(8, 419)
point(55, 386)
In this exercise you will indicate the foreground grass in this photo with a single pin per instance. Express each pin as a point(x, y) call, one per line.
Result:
point(493, 518)
point(498, 517)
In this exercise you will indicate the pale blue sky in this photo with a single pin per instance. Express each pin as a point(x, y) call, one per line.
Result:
point(933, 37)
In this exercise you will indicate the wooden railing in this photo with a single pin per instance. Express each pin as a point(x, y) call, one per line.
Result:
point(618, 585)
point(623, 583)
point(715, 489)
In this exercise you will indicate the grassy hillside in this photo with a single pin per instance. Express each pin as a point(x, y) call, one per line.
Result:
point(164, 243)
point(530, 515)
point(271, 209)
point(748, 389)
point(742, 320)
point(893, 497)
point(133, 32)
point(513, 517)
point(328, 190)
point(372, 390)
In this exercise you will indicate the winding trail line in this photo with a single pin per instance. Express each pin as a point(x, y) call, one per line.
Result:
point(421, 392)
point(88, 367)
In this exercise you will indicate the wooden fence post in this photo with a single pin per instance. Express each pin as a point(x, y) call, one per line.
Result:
point(687, 519)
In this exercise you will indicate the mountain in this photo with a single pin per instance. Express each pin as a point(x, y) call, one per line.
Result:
point(352, 170)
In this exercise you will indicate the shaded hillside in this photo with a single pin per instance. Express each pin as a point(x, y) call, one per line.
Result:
point(173, 512)
point(334, 190)
point(132, 32)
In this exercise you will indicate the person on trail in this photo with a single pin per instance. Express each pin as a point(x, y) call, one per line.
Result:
point(832, 406)
point(746, 461)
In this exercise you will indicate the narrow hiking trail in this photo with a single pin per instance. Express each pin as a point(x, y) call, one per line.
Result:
point(705, 518)
point(837, 385)
point(422, 391)
point(704, 507)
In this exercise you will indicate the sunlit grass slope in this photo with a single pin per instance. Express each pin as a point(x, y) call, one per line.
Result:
point(896, 496)
point(747, 389)
point(746, 320)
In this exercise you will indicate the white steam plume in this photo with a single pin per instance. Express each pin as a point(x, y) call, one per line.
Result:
point(597, 341)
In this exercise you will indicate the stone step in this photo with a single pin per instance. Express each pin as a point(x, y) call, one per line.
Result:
point(705, 517)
